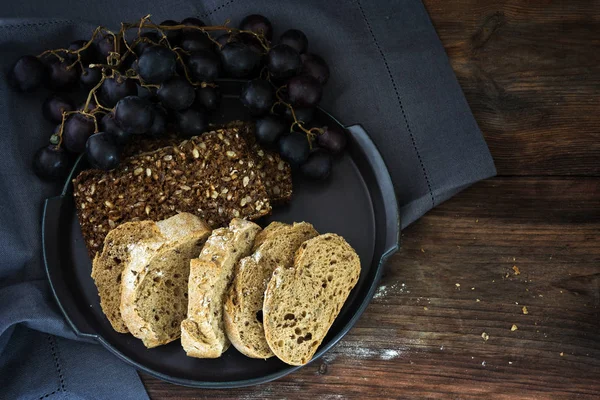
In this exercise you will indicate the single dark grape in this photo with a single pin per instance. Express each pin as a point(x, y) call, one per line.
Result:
point(61, 75)
point(252, 42)
point(258, 96)
point(304, 91)
point(172, 35)
point(333, 139)
point(305, 115)
point(316, 67)
point(134, 115)
point(147, 39)
point(191, 122)
point(87, 56)
point(156, 64)
point(102, 151)
point(78, 128)
point(283, 61)
point(54, 106)
point(204, 65)
point(317, 166)
point(51, 163)
point(177, 94)
point(159, 125)
point(192, 21)
point(257, 24)
point(195, 40)
point(295, 39)
point(109, 125)
point(239, 60)
point(89, 77)
point(27, 74)
point(105, 46)
point(294, 148)
point(208, 98)
point(114, 89)
point(269, 129)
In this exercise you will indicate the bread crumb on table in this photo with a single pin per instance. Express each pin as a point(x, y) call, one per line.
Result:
point(514, 328)
point(525, 310)
point(485, 336)
point(516, 269)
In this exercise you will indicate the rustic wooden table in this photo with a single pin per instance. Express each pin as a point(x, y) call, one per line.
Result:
point(495, 293)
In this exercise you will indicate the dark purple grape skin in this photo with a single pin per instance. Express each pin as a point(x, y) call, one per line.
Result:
point(60, 76)
point(159, 125)
point(258, 96)
point(173, 36)
point(317, 166)
point(333, 139)
point(304, 91)
point(156, 64)
point(105, 46)
point(294, 148)
point(252, 42)
point(78, 128)
point(316, 67)
point(283, 61)
point(296, 39)
point(304, 115)
point(90, 77)
point(134, 115)
point(204, 66)
point(195, 40)
point(147, 93)
point(54, 106)
point(114, 89)
point(239, 60)
point(102, 151)
point(269, 129)
point(51, 163)
point(87, 56)
point(191, 123)
point(176, 94)
point(147, 39)
point(109, 125)
point(192, 21)
point(257, 24)
point(208, 98)
point(27, 74)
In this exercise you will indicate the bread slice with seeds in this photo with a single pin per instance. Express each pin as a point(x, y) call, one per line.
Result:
point(302, 302)
point(108, 266)
point(202, 332)
point(274, 247)
point(154, 284)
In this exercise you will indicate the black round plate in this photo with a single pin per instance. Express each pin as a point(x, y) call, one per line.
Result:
point(357, 202)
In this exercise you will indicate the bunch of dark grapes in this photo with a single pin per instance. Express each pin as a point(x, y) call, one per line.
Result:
point(150, 79)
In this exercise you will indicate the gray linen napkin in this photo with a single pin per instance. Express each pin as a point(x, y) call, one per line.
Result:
point(389, 73)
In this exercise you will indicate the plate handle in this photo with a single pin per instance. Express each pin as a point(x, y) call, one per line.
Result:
point(384, 181)
point(51, 247)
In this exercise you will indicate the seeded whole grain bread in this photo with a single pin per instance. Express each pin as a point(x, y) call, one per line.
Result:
point(202, 332)
point(212, 176)
point(276, 174)
point(274, 247)
point(154, 283)
point(302, 302)
point(108, 266)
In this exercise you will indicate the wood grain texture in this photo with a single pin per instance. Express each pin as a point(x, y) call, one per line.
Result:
point(531, 73)
point(422, 335)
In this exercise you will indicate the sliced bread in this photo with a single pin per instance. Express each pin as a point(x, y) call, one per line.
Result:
point(274, 247)
point(155, 280)
point(302, 302)
point(202, 333)
point(108, 266)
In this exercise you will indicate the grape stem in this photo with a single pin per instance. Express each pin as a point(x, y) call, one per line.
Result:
point(311, 133)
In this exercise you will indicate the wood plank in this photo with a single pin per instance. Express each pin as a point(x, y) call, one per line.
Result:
point(422, 334)
point(531, 73)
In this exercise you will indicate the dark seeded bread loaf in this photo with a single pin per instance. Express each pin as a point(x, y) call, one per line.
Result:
point(202, 332)
point(212, 176)
point(108, 266)
point(302, 302)
point(154, 284)
point(275, 247)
